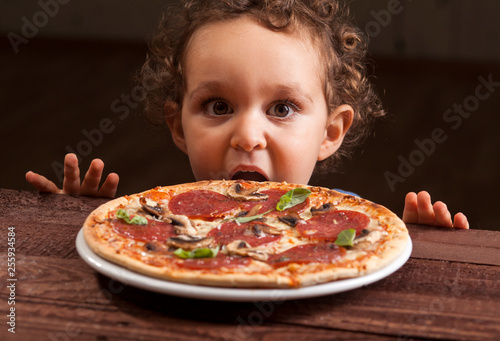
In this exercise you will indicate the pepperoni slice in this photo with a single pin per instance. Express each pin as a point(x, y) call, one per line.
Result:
point(309, 253)
point(328, 225)
point(153, 231)
point(250, 232)
point(221, 260)
point(201, 203)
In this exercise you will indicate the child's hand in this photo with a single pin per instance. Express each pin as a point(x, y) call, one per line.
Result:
point(419, 210)
point(71, 184)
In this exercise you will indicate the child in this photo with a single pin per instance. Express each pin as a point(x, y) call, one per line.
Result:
point(258, 90)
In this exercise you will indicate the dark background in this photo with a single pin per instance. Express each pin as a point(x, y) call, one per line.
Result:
point(73, 78)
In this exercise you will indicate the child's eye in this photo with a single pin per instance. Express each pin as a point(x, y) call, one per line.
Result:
point(218, 108)
point(282, 109)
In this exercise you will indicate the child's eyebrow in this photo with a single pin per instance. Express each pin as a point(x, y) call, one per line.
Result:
point(293, 90)
point(206, 87)
point(282, 91)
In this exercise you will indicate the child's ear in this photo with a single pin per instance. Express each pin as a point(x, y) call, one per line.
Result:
point(339, 122)
point(174, 121)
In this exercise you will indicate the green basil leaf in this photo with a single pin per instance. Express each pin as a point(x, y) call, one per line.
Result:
point(346, 237)
point(293, 197)
point(122, 214)
point(136, 220)
point(205, 253)
point(197, 253)
point(139, 220)
point(181, 253)
point(247, 219)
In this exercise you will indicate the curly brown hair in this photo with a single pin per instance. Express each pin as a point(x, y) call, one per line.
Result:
point(342, 46)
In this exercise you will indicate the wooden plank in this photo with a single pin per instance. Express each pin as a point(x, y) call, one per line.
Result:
point(468, 246)
point(427, 299)
point(45, 208)
point(39, 212)
point(45, 224)
point(53, 240)
point(56, 322)
point(480, 238)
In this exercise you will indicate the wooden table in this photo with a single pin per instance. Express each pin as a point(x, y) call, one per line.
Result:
point(449, 289)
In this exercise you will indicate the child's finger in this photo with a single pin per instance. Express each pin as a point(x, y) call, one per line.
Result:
point(90, 184)
point(110, 185)
point(71, 183)
point(425, 210)
point(443, 216)
point(41, 183)
point(410, 212)
point(460, 221)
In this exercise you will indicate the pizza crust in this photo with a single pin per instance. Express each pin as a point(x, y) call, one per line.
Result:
point(366, 257)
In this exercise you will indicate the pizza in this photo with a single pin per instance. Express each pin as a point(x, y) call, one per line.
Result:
point(246, 234)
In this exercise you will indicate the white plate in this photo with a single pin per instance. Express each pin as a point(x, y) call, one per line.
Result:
point(135, 279)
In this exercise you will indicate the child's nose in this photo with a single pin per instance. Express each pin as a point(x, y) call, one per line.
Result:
point(249, 131)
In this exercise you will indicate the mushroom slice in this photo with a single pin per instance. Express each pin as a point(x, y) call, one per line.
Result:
point(270, 230)
point(322, 209)
point(182, 224)
point(290, 219)
point(368, 236)
point(242, 248)
point(190, 243)
point(256, 230)
point(156, 211)
point(155, 246)
point(261, 230)
point(237, 191)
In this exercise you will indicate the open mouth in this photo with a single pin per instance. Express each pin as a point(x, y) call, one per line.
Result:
point(248, 175)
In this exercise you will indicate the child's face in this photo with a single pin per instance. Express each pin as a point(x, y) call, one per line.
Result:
point(254, 105)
